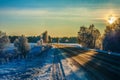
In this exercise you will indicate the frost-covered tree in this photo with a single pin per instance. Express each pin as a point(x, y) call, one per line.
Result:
point(4, 40)
point(40, 42)
point(111, 41)
point(88, 37)
point(22, 45)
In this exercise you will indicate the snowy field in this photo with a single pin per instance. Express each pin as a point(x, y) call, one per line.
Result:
point(35, 67)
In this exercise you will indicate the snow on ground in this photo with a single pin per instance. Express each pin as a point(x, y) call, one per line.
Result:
point(38, 68)
point(71, 69)
point(69, 44)
point(80, 46)
point(48, 65)
point(108, 52)
point(11, 46)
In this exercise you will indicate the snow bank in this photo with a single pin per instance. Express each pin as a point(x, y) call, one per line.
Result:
point(80, 46)
point(69, 44)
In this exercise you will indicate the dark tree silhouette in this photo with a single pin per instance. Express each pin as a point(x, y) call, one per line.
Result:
point(111, 41)
point(45, 37)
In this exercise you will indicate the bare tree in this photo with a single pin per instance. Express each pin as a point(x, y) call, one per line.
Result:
point(22, 45)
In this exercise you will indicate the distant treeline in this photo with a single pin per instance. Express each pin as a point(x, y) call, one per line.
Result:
point(34, 39)
point(64, 40)
point(31, 39)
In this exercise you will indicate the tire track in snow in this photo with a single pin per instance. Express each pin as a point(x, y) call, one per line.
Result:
point(57, 70)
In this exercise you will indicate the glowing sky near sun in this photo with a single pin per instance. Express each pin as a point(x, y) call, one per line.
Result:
point(58, 17)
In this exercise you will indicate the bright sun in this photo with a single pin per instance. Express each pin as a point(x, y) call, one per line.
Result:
point(111, 19)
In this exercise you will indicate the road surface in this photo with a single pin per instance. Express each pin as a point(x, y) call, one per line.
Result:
point(99, 66)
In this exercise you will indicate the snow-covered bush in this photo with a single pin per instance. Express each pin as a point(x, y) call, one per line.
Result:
point(40, 42)
point(4, 40)
point(22, 45)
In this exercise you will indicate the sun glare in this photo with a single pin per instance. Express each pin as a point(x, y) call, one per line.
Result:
point(111, 19)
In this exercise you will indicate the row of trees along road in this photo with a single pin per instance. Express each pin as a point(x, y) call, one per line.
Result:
point(89, 37)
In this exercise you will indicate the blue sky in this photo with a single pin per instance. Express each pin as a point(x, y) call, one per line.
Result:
point(59, 17)
point(57, 3)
